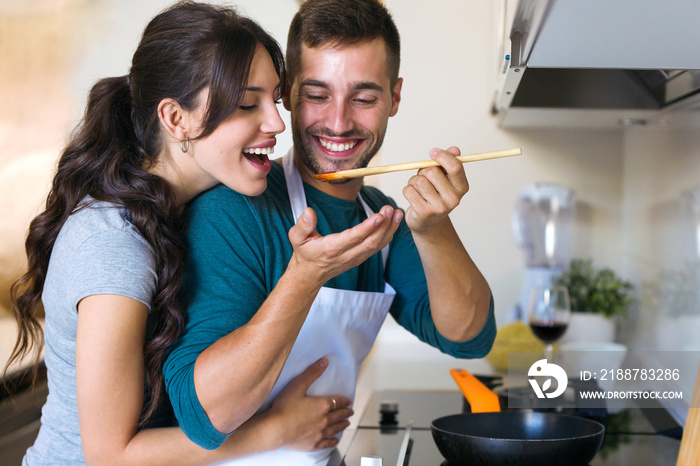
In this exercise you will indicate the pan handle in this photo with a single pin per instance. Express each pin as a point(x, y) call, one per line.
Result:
point(481, 399)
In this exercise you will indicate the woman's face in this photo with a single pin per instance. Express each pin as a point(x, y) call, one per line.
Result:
point(236, 153)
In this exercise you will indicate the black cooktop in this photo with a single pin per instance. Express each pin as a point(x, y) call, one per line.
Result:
point(634, 436)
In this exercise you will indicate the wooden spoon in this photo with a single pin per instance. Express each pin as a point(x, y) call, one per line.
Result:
point(358, 172)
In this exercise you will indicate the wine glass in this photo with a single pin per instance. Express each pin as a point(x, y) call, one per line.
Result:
point(549, 315)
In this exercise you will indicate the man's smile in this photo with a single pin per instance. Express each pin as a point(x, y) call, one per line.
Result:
point(338, 147)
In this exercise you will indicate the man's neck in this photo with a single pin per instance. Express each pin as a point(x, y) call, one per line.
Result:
point(347, 191)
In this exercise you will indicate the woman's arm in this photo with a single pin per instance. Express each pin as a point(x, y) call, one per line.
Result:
point(297, 421)
point(110, 384)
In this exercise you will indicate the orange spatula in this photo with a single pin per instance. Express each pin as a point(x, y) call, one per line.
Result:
point(481, 399)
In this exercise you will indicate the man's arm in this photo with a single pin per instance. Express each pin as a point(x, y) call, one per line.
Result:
point(459, 295)
point(237, 338)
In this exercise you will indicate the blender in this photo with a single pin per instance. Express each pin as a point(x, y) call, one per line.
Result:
point(541, 226)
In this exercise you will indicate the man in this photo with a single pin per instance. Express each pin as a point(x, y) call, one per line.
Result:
point(343, 59)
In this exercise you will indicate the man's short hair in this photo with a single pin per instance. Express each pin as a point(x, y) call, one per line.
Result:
point(342, 22)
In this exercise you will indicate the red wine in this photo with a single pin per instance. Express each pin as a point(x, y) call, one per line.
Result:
point(548, 332)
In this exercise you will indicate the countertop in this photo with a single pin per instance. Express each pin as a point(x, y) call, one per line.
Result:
point(632, 442)
point(399, 363)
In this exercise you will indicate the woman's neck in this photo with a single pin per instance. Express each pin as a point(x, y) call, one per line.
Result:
point(184, 178)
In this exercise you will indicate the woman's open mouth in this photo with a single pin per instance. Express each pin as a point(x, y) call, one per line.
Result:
point(258, 157)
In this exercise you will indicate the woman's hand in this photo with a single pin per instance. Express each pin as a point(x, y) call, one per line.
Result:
point(324, 257)
point(308, 422)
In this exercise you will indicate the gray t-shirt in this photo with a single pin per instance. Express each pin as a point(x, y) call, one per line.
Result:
point(98, 251)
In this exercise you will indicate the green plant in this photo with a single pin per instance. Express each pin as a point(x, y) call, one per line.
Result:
point(595, 290)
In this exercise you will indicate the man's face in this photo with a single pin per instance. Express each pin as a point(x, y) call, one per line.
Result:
point(340, 101)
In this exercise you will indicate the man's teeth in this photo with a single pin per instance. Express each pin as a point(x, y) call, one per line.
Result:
point(260, 150)
point(335, 147)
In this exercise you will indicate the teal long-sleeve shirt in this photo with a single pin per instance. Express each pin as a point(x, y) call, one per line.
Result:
point(238, 250)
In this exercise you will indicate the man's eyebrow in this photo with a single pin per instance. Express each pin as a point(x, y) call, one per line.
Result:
point(369, 86)
point(313, 83)
point(359, 86)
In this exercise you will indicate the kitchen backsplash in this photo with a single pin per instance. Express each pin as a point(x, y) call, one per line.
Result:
point(660, 249)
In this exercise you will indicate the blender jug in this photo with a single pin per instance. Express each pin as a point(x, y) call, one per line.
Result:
point(541, 226)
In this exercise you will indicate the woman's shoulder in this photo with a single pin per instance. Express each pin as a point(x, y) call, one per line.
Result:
point(91, 216)
point(99, 219)
point(99, 251)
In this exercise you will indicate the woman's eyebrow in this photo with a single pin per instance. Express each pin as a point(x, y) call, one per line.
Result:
point(261, 89)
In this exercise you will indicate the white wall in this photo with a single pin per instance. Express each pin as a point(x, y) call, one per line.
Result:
point(113, 43)
point(660, 164)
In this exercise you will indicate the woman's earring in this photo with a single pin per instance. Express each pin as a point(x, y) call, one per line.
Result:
point(185, 144)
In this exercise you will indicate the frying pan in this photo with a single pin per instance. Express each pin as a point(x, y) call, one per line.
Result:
point(515, 437)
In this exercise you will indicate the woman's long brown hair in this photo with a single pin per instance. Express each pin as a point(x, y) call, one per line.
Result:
point(186, 48)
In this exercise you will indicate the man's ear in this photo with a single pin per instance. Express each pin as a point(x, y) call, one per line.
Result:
point(396, 97)
point(285, 97)
point(174, 119)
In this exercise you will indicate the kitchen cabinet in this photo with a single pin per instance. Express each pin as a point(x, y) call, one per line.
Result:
point(596, 64)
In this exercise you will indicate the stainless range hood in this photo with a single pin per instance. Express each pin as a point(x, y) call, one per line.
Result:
point(599, 63)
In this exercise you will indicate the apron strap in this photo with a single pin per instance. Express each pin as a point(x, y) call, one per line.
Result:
point(369, 213)
point(297, 197)
point(295, 186)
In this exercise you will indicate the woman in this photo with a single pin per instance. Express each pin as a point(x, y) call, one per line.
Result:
point(106, 256)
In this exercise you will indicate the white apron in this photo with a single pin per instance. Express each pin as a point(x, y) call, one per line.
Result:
point(341, 325)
